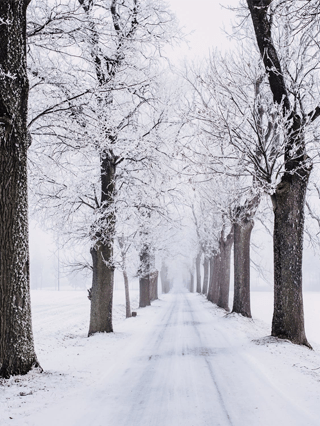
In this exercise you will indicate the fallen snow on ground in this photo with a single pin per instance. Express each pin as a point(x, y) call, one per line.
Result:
point(262, 308)
point(181, 361)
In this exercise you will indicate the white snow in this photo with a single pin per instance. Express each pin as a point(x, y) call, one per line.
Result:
point(179, 362)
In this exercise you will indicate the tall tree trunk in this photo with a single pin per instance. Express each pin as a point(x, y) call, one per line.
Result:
point(164, 278)
point(102, 252)
point(216, 277)
point(153, 273)
point(205, 275)
point(153, 285)
point(243, 226)
point(144, 277)
point(289, 198)
point(215, 267)
point(101, 291)
point(198, 271)
point(126, 290)
point(224, 287)
point(123, 250)
point(288, 203)
point(17, 355)
point(241, 298)
point(144, 287)
point(210, 284)
point(191, 282)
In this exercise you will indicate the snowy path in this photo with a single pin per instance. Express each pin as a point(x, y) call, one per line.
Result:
point(185, 366)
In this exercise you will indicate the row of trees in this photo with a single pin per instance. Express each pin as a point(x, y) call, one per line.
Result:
point(255, 118)
point(120, 161)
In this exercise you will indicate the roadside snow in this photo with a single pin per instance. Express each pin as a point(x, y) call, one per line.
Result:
point(262, 308)
point(177, 362)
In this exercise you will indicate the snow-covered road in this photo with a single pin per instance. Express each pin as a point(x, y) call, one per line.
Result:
point(188, 365)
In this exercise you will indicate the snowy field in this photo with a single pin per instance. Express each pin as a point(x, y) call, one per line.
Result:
point(180, 361)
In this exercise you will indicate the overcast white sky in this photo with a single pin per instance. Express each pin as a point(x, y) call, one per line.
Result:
point(205, 20)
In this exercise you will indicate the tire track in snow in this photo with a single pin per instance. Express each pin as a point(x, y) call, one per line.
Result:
point(251, 392)
point(170, 382)
point(210, 370)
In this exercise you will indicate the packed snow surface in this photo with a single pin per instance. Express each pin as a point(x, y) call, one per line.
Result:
point(181, 361)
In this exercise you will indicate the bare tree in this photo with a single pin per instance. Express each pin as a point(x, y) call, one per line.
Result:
point(104, 121)
point(289, 195)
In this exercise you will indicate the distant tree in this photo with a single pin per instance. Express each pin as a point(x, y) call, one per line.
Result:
point(124, 246)
point(165, 281)
point(214, 230)
point(225, 246)
point(148, 275)
point(199, 251)
point(17, 354)
point(190, 280)
point(205, 275)
point(198, 271)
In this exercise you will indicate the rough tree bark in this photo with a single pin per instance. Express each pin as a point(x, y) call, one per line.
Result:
point(243, 225)
point(288, 203)
point(101, 292)
point(17, 355)
point(241, 298)
point(215, 265)
point(144, 285)
point(224, 278)
point(210, 283)
point(153, 285)
point(153, 278)
point(289, 197)
point(144, 277)
point(198, 271)
point(102, 253)
point(205, 276)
